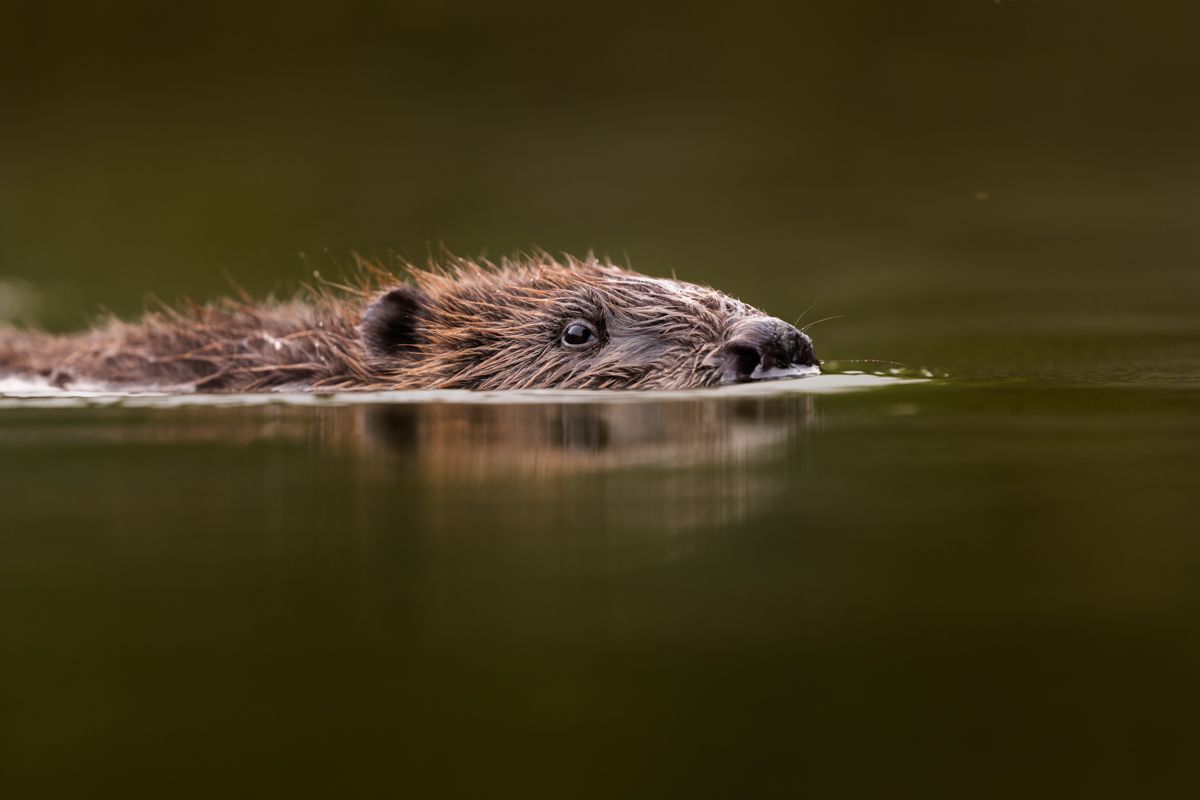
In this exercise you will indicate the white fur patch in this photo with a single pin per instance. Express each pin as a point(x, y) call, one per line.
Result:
point(776, 373)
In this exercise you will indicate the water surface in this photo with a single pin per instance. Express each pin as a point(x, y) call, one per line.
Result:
point(979, 584)
point(958, 576)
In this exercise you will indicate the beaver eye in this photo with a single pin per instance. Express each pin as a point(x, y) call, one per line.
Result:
point(577, 334)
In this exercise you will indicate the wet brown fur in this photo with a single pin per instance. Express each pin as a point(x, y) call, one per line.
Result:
point(474, 326)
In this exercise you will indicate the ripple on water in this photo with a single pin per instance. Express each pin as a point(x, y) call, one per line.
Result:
point(24, 393)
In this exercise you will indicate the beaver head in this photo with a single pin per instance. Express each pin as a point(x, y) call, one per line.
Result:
point(541, 323)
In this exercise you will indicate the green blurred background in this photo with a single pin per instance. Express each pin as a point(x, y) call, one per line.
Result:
point(983, 586)
point(1001, 170)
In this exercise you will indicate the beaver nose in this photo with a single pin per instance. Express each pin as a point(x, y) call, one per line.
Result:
point(765, 349)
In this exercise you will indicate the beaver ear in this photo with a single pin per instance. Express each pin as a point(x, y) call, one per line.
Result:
point(390, 324)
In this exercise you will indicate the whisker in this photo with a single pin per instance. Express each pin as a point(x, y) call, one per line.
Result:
point(796, 321)
point(823, 319)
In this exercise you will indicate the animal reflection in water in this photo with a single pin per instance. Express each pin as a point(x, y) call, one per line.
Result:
point(656, 468)
point(483, 441)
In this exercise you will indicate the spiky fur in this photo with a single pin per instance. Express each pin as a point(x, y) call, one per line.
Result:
point(482, 326)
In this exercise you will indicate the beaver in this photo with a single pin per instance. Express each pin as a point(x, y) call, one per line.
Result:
point(530, 322)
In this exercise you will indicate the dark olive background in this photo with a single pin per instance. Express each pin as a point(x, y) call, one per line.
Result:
point(984, 586)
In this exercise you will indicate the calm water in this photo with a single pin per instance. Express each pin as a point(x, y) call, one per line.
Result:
point(986, 584)
point(973, 583)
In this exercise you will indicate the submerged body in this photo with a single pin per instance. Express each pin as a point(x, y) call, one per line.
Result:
point(531, 324)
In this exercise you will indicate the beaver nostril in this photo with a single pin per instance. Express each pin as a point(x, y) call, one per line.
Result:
point(766, 350)
point(744, 358)
point(802, 349)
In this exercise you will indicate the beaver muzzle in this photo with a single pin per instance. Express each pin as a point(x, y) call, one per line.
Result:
point(767, 349)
